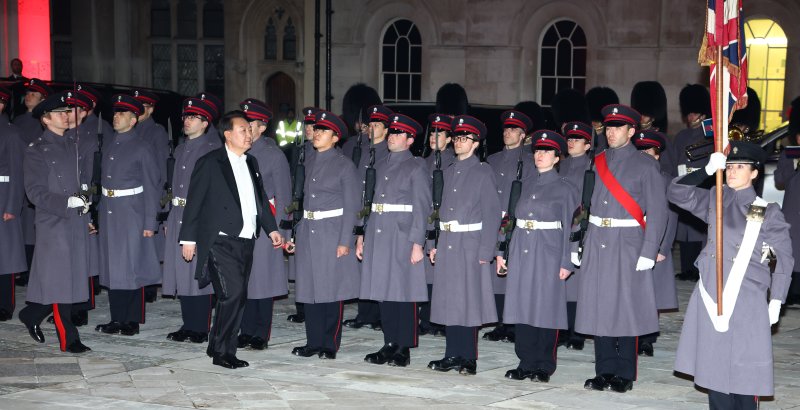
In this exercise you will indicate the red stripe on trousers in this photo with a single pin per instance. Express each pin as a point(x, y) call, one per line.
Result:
point(338, 325)
point(91, 291)
point(555, 349)
point(476, 343)
point(141, 318)
point(269, 329)
point(62, 335)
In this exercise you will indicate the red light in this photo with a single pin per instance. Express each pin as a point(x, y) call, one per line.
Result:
point(34, 37)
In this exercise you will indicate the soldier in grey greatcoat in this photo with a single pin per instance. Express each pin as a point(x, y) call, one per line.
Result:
point(539, 261)
point(268, 275)
point(12, 193)
point(731, 355)
point(516, 126)
point(439, 139)
point(128, 220)
point(470, 218)
point(627, 222)
point(787, 177)
point(653, 143)
point(695, 104)
point(391, 249)
point(369, 314)
point(327, 270)
point(58, 274)
point(573, 168)
point(178, 280)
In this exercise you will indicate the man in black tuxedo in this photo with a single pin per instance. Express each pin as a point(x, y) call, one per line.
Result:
point(224, 213)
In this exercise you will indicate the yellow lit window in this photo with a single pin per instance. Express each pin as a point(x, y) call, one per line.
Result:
point(766, 59)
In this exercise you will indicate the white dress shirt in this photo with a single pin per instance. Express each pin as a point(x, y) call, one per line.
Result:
point(247, 194)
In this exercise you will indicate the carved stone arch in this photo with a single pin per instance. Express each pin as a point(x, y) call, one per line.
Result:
point(256, 14)
point(786, 14)
point(536, 21)
point(373, 21)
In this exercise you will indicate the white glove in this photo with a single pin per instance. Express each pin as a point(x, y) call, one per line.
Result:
point(645, 263)
point(716, 161)
point(574, 258)
point(774, 311)
point(75, 202)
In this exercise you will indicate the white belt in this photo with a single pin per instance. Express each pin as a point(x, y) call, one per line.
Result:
point(536, 225)
point(381, 208)
point(613, 222)
point(111, 193)
point(4, 178)
point(178, 201)
point(314, 215)
point(454, 226)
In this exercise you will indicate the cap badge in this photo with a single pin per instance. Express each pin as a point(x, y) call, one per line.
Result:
point(396, 118)
point(511, 115)
point(735, 150)
point(323, 116)
point(438, 118)
point(615, 110)
point(202, 96)
point(460, 121)
point(575, 126)
point(374, 109)
point(246, 107)
point(136, 93)
point(69, 94)
point(189, 103)
point(119, 98)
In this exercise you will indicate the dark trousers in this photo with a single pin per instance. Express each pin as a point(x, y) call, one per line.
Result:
point(368, 311)
point(196, 312)
point(151, 292)
point(722, 401)
point(89, 304)
point(616, 355)
point(324, 325)
point(399, 322)
point(572, 335)
point(300, 308)
point(462, 341)
point(126, 305)
point(34, 313)
point(257, 318)
point(229, 262)
point(536, 348)
point(794, 287)
point(689, 252)
point(648, 338)
point(499, 304)
point(8, 300)
point(425, 313)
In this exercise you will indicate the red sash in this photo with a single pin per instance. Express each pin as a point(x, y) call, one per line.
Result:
point(272, 207)
point(617, 191)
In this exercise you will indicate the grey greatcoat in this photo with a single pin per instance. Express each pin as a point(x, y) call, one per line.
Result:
point(128, 260)
point(664, 271)
point(462, 287)
point(59, 271)
point(690, 228)
point(387, 273)
point(157, 136)
point(740, 360)
point(12, 194)
point(448, 157)
point(331, 183)
point(308, 152)
point(504, 164)
point(535, 295)
point(178, 274)
point(87, 141)
point(268, 275)
point(787, 177)
point(30, 129)
point(574, 169)
point(614, 298)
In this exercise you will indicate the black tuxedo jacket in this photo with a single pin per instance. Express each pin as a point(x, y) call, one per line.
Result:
point(213, 206)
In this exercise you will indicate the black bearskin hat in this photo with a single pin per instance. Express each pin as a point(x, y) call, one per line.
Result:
point(695, 98)
point(750, 115)
point(794, 119)
point(536, 113)
point(597, 98)
point(569, 105)
point(649, 98)
point(452, 99)
point(358, 99)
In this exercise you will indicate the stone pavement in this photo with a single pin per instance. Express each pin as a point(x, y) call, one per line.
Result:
point(148, 372)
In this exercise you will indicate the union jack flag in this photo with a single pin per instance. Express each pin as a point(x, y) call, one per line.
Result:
point(725, 27)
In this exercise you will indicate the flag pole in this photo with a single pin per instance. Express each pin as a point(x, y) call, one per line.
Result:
point(718, 138)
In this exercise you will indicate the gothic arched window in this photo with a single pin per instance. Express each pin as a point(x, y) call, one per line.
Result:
point(270, 41)
point(401, 62)
point(562, 60)
point(289, 41)
point(187, 19)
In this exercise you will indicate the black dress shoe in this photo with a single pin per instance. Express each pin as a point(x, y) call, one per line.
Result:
point(446, 364)
point(598, 382)
point(224, 362)
point(258, 343)
point(619, 384)
point(541, 376)
point(243, 340)
point(327, 354)
point(238, 363)
point(382, 356)
point(440, 332)
point(468, 367)
point(5, 315)
point(424, 330)
point(305, 351)
point(374, 325)
point(198, 337)
point(646, 349)
point(77, 347)
point(519, 374)
point(509, 336)
point(575, 344)
point(109, 328)
point(178, 336)
point(401, 358)
point(129, 329)
point(296, 318)
point(51, 320)
point(80, 318)
point(353, 323)
point(36, 332)
point(495, 335)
